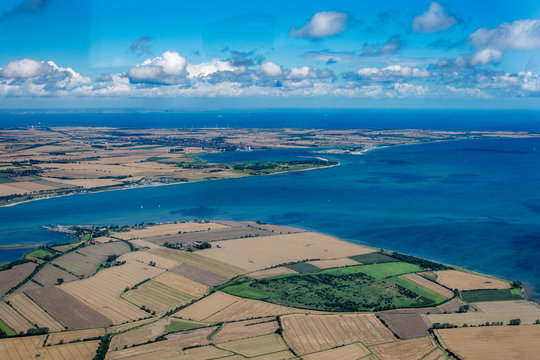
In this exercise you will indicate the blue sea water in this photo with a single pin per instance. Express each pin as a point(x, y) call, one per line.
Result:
point(473, 203)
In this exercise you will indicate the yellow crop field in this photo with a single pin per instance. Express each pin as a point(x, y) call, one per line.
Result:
point(182, 284)
point(307, 334)
point(352, 351)
point(207, 306)
point(412, 349)
point(334, 263)
point(139, 335)
point(256, 346)
point(453, 279)
point(13, 319)
point(280, 270)
point(69, 336)
point(492, 342)
point(124, 327)
point(146, 257)
point(267, 251)
point(245, 329)
point(31, 311)
point(31, 348)
point(157, 297)
point(169, 229)
point(430, 285)
point(215, 266)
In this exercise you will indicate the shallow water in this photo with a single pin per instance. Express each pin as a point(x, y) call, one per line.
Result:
point(472, 203)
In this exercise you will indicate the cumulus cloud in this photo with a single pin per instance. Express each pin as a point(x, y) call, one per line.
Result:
point(207, 68)
point(169, 68)
point(271, 69)
point(141, 46)
point(392, 46)
point(26, 7)
point(433, 20)
point(391, 73)
point(323, 24)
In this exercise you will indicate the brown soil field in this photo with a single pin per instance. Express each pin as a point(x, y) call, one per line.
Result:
point(405, 326)
point(264, 252)
point(199, 275)
point(453, 279)
point(139, 335)
point(10, 278)
point(182, 284)
point(492, 342)
point(313, 333)
point(67, 309)
point(215, 266)
point(32, 312)
point(48, 276)
point(210, 236)
point(334, 263)
point(29, 285)
point(13, 318)
point(352, 352)
point(452, 306)
point(245, 329)
point(31, 348)
point(412, 349)
point(69, 336)
point(492, 311)
point(256, 346)
point(157, 297)
point(430, 285)
point(146, 257)
point(280, 270)
point(168, 229)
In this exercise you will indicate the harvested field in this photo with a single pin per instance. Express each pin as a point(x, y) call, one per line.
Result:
point(493, 342)
point(182, 284)
point(168, 229)
point(157, 297)
point(246, 329)
point(13, 319)
point(31, 347)
point(334, 263)
point(48, 276)
point(124, 327)
point(412, 349)
point(255, 346)
point(139, 335)
point(280, 270)
point(68, 310)
point(32, 312)
point(207, 306)
point(198, 275)
point(215, 266)
point(10, 278)
point(141, 244)
point(77, 335)
point(264, 252)
point(430, 285)
point(210, 236)
point(307, 334)
point(29, 285)
point(145, 257)
point(451, 306)
point(405, 326)
point(353, 352)
point(453, 279)
point(491, 311)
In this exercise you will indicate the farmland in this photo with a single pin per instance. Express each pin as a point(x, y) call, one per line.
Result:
point(182, 284)
point(31, 348)
point(31, 311)
point(453, 279)
point(11, 277)
point(156, 297)
point(405, 349)
point(256, 346)
point(49, 275)
point(72, 336)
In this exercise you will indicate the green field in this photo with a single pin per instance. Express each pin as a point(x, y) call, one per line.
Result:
point(377, 271)
point(271, 167)
point(41, 253)
point(373, 258)
point(491, 295)
point(303, 268)
point(431, 296)
point(5, 328)
point(175, 326)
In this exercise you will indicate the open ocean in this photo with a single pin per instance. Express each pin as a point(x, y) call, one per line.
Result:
point(473, 203)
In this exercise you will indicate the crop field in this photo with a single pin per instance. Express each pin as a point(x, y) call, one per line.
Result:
point(31, 311)
point(10, 278)
point(31, 348)
point(454, 279)
point(68, 310)
point(128, 326)
point(7, 329)
point(207, 306)
point(210, 236)
point(198, 275)
point(372, 258)
point(405, 324)
point(430, 285)
point(333, 263)
point(280, 270)
point(12, 318)
point(29, 285)
point(245, 329)
point(264, 252)
point(492, 311)
point(141, 244)
point(146, 257)
point(40, 254)
point(493, 342)
point(168, 229)
point(182, 284)
point(182, 325)
point(405, 349)
point(303, 268)
point(380, 271)
point(138, 335)
point(451, 306)
point(432, 297)
point(48, 276)
point(72, 336)
point(256, 346)
point(217, 267)
point(307, 334)
point(491, 295)
point(157, 297)
point(352, 351)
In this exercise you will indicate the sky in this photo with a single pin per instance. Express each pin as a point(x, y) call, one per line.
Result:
point(257, 54)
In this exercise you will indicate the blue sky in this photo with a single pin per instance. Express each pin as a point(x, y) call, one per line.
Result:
point(213, 54)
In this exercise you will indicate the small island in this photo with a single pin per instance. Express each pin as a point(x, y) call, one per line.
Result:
point(243, 289)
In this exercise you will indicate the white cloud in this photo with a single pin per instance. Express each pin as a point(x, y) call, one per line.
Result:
point(26, 68)
point(322, 24)
point(405, 90)
point(207, 68)
point(271, 69)
point(433, 20)
point(486, 56)
point(165, 69)
point(390, 73)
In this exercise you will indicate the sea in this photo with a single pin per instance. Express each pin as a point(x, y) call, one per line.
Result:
point(470, 203)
